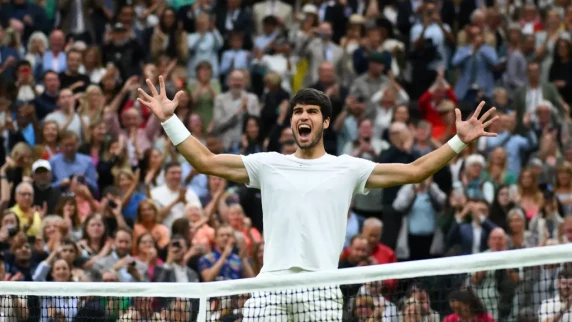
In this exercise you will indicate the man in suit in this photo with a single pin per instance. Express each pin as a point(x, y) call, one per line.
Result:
point(463, 231)
point(230, 108)
point(127, 268)
point(320, 49)
point(175, 269)
point(76, 18)
point(235, 18)
point(528, 97)
point(276, 8)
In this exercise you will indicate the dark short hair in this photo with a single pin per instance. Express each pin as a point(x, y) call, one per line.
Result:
point(469, 297)
point(171, 165)
point(310, 96)
point(124, 230)
point(66, 134)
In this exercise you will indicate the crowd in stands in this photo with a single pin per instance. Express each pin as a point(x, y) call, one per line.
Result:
point(92, 190)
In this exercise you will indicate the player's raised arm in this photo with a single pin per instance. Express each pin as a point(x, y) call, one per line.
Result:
point(226, 166)
point(393, 174)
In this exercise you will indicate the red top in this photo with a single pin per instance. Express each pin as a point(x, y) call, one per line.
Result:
point(483, 317)
point(428, 109)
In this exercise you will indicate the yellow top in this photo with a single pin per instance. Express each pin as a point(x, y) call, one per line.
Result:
point(36, 228)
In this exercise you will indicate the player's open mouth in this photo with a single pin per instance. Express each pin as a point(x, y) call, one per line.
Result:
point(304, 130)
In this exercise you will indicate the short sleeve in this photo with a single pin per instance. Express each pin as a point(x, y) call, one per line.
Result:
point(361, 169)
point(254, 165)
point(205, 263)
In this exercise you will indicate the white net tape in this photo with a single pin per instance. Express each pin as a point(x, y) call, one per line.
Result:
point(205, 292)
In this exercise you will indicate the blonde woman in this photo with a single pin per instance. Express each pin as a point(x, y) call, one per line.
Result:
point(563, 187)
point(518, 235)
point(92, 65)
point(92, 105)
point(53, 230)
point(17, 169)
point(496, 172)
point(37, 45)
point(528, 194)
point(48, 145)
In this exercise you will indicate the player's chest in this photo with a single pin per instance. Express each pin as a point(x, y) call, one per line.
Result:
point(312, 181)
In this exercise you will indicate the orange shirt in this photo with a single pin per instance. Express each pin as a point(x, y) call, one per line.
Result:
point(204, 236)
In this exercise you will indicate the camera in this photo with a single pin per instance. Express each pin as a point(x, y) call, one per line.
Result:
point(80, 179)
point(112, 204)
point(12, 231)
point(176, 243)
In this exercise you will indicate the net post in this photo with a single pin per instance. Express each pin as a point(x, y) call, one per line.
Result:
point(202, 316)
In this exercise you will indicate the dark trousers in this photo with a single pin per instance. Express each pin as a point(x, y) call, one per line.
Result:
point(419, 246)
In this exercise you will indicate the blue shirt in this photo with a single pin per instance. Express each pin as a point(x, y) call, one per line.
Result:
point(421, 216)
point(234, 59)
point(81, 165)
point(130, 209)
point(231, 269)
point(199, 183)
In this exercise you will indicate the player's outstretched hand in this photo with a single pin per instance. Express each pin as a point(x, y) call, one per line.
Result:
point(475, 126)
point(160, 105)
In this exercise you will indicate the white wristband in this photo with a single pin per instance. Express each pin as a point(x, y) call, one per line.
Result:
point(176, 130)
point(456, 144)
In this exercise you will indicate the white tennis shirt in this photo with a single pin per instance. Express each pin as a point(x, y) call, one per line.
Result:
point(305, 205)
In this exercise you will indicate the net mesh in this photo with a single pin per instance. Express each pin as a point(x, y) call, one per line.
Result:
point(521, 285)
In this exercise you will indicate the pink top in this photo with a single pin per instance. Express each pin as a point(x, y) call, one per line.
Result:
point(483, 317)
point(204, 236)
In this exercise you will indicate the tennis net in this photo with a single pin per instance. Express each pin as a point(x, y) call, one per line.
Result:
point(521, 285)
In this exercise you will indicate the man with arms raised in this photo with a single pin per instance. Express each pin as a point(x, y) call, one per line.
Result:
point(304, 191)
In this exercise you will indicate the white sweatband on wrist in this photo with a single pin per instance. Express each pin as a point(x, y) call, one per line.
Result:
point(176, 130)
point(456, 144)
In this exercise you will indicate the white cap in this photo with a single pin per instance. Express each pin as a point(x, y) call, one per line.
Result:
point(310, 8)
point(41, 164)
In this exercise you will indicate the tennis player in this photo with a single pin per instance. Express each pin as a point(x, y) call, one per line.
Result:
point(306, 195)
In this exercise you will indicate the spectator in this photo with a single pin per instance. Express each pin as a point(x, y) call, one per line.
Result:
point(358, 254)
point(15, 307)
point(318, 49)
point(476, 62)
point(222, 263)
point(230, 108)
point(146, 223)
point(557, 308)
point(43, 191)
point(466, 305)
point(170, 197)
point(69, 164)
point(470, 223)
point(421, 203)
point(30, 217)
point(128, 269)
point(175, 269)
point(71, 78)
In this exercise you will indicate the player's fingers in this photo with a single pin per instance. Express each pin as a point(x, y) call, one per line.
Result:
point(491, 121)
point(162, 86)
point(144, 94)
point(490, 135)
point(487, 114)
point(479, 109)
point(140, 100)
point(178, 97)
point(152, 87)
point(458, 116)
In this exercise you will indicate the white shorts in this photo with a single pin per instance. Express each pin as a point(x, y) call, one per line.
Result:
point(324, 304)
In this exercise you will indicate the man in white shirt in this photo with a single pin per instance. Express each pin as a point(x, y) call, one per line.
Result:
point(559, 307)
point(65, 115)
point(171, 198)
point(306, 190)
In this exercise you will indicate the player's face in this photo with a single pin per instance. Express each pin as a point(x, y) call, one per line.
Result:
point(308, 125)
